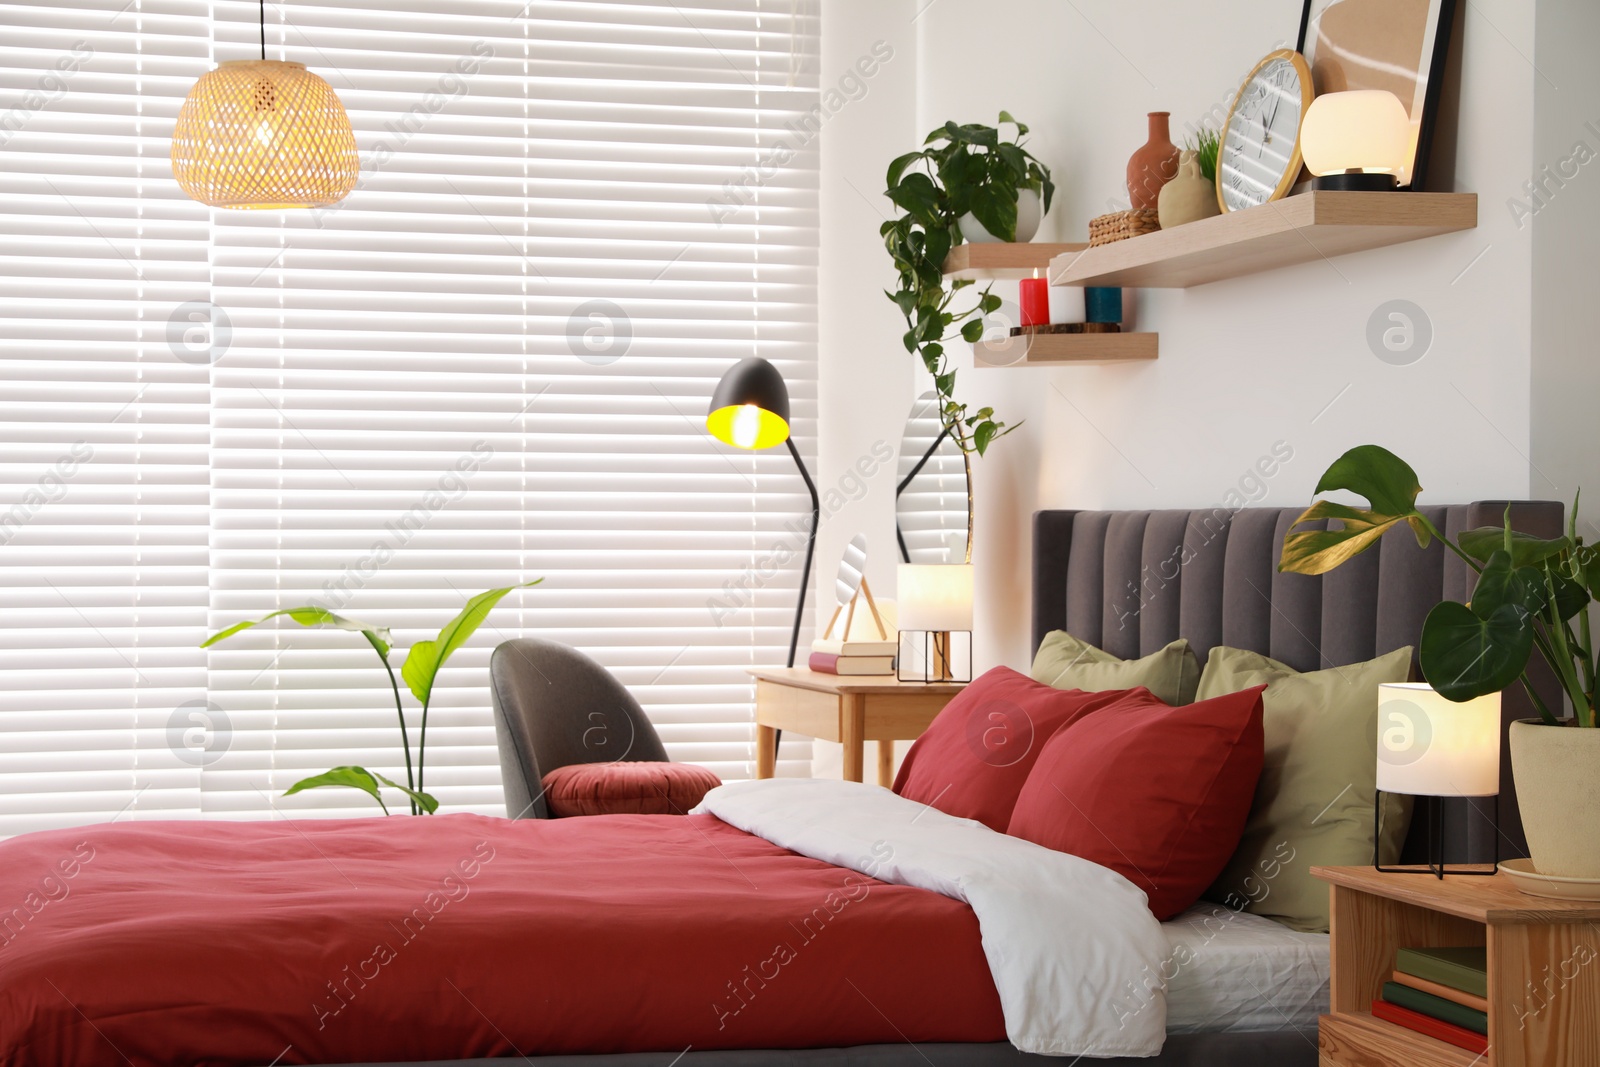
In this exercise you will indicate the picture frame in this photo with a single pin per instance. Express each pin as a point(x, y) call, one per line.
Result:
point(1397, 45)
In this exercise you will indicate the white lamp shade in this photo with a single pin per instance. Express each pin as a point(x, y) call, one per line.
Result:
point(1430, 746)
point(935, 596)
point(1365, 130)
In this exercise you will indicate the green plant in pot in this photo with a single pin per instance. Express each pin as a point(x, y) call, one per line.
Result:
point(1532, 595)
point(965, 183)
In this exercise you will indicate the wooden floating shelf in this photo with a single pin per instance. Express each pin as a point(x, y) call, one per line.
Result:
point(991, 260)
point(1055, 349)
point(1318, 224)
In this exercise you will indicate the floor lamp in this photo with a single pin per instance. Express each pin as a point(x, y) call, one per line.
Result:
point(750, 409)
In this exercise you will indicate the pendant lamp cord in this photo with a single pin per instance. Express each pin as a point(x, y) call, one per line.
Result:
point(263, 29)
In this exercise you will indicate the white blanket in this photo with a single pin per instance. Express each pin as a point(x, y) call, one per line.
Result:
point(1075, 953)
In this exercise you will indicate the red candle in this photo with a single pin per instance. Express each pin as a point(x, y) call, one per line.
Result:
point(1035, 302)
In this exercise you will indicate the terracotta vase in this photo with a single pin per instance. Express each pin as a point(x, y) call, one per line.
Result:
point(1189, 197)
point(1153, 165)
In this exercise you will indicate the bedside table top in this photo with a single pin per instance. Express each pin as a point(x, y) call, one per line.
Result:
point(805, 678)
point(1484, 900)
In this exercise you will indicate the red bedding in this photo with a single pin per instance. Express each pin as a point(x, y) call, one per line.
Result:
point(313, 942)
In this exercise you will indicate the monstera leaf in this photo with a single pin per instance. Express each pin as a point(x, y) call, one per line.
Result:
point(1389, 485)
point(1466, 655)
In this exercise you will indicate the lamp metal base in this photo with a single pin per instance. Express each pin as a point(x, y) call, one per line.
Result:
point(1435, 864)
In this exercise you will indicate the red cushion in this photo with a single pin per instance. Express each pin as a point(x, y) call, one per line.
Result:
point(633, 788)
point(975, 755)
point(1158, 794)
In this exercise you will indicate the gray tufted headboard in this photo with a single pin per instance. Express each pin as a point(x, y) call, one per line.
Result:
point(1131, 581)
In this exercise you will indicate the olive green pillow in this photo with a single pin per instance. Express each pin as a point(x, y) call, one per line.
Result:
point(1313, 803)
point(1171, 673)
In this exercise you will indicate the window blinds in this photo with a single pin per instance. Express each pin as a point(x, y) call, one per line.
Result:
point(490, 364)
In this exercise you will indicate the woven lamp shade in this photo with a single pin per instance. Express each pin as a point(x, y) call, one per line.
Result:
point(262, 133)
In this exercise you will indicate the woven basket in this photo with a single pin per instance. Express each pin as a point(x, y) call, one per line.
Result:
point(259, 133)
point(1121, 225)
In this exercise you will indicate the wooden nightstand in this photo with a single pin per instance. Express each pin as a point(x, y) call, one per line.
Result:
point(1544, 969)
point(850, 710)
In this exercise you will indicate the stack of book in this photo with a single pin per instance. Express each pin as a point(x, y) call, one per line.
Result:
point(853, 657)
point(1441, 992)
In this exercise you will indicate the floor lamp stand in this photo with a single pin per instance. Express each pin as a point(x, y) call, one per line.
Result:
point(805, 573)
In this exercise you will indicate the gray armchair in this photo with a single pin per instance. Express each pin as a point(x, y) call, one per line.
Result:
point(555, 707)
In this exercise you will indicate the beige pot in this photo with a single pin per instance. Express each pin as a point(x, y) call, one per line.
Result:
point(1557, 771)
point(1188, 197)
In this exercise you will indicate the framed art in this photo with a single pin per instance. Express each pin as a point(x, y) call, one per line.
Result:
point(1396, 45)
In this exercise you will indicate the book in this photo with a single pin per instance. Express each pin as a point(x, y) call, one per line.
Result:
point(1466, 969)
point(1422, 1024)
point(1436, 1007)
point(827, 663)
point(1476, 1003)
point(832, 647)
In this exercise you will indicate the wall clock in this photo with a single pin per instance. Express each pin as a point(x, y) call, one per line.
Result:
point(1259, 158)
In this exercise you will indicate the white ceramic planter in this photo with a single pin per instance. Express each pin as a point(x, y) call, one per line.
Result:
point(1030, 212)
point(1557, 771)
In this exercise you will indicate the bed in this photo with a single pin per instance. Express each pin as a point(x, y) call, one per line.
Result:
point(635, 940)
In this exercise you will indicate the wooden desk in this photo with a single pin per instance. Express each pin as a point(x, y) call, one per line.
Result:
point(849, 710)
point(1544, 974)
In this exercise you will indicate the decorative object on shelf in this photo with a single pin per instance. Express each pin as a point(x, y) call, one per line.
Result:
point(1067, 305)
point(1531, 593)
point(1035, 301)
point(1357, 140)
point(750, 409)
point(959, 169)
point(1430, 747)
point(1153, 164)
point(1104, 304)
point(1030, 213)
point(1121, 225)
point(935, 603)
point(1396, 47)
point(264, 133)
point(1259, 157)
point(1189, 197)
point(864, 642)
point(1205, 143)
point(419, 671)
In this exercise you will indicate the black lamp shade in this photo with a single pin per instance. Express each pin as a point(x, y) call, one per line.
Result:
point(750, 407)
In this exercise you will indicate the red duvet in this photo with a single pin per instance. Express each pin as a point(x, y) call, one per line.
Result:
point(457, 936)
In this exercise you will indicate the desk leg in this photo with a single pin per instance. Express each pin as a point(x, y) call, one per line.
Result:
point(886, 763)
point(766, 751)
point(853, 728)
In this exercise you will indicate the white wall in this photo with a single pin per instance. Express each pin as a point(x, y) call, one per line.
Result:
point(1279, 357)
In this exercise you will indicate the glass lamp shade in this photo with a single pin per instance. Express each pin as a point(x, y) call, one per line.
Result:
point(934, 596)
point(1430, 746)
point(262, 133)
point(750, 406)
point(1363, 130)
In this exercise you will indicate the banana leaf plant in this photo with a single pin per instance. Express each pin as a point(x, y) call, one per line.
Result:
point(419, 671)
point(1532, 593)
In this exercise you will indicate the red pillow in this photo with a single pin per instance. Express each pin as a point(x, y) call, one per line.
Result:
point(636, 788)
point(974, 757)
point(1156, 793)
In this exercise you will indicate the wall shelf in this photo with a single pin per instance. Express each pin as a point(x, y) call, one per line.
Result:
point(990, 261)
point(1319, 224)
point(1056, 349)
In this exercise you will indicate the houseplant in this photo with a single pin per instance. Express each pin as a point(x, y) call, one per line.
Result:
point(1532, 594)
point(959, 171)
point(420, 669)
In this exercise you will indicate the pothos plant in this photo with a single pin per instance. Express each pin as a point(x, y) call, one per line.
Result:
point(419, 671)
point(958, 170)
point(1532, 593)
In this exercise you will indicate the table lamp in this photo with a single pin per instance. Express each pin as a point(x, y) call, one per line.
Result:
point(1357, 140)
point(1430, 747)
point(750, 409)
point(935, 599)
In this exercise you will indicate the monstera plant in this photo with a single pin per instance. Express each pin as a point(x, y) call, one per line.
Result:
point(419, 671)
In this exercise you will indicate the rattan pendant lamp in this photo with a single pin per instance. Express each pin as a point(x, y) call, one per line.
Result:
point(264, 133)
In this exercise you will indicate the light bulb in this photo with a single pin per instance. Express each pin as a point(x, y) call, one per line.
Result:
point(747, 426)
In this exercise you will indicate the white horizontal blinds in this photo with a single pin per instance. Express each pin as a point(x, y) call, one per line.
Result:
point(492, 363)
point(931, 508)
point(103, 429)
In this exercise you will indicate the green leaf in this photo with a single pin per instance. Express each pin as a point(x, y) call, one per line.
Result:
point(1383, 478)
point(1589, 563)
point(1464, 656)
point(426, 658)
point(426, 802)
point(983, 434)
point(352, 777)
point(1525, 550)
point(988, 303)
point(1501, 583)
point(898, 167)
point(944, 382)
point(311, 615)
point(996, 210)
point(1571, 597)
point(1320, 551)
point(972, 331)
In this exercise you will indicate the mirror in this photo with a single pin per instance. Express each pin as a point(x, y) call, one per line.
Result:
point(930, 497)
point(852, 566)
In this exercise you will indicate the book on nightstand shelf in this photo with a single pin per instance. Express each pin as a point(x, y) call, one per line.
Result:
point(1458, 1036)
point(1436, 1007)
point(1466, 969)
point(1440, 992)
point(828, 663)
point(1457, 996)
